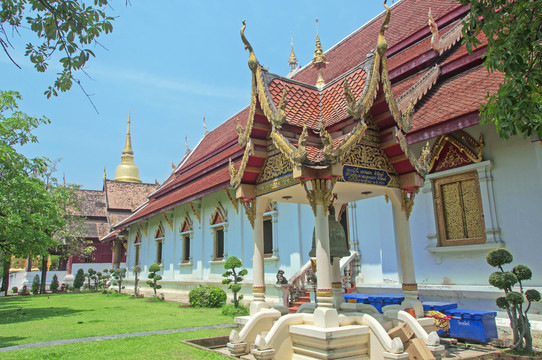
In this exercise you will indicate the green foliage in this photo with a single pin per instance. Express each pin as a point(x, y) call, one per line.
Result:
point(35, 285)
point(233, 277)
point(154, 278)
point(207, 297)
point(502, 303)
point(522, 272)
point(232, 310)
point(513, 301)
point(103, 278)
point(513, 30)
point(499, 257)
point(503, 280)
point(118, 276)
point(65, 30)
point(532, 295)
point(15, 289)
point(79, 279)
point(54, 284)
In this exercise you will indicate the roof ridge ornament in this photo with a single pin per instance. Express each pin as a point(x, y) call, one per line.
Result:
point(205, 131)
point(382, 44)
point(292, 60)
point(186, 144)
point(252, 61)
point(450, 38)
point(319, 59)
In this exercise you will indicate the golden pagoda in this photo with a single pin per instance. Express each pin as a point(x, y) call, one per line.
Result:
point(127, 169)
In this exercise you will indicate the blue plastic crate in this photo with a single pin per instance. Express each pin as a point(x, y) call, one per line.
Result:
point(474, 325)
point(360, 298)
point(438, 306)
point(381, 300)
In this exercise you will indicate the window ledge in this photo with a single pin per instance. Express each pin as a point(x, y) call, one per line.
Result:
point(271, 259)
point(186, 264)
point(217, 262)
point(443, 250)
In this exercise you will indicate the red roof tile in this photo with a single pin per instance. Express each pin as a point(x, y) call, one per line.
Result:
point(407, 17)
point(454, 97)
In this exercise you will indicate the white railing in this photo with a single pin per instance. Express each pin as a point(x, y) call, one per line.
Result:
point(296, 283)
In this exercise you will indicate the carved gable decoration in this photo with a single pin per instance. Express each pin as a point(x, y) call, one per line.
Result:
point(160, 231)
point(219, 215)
point(187, 224)
point(274, 167)
point(272, 206)
point(455, 150)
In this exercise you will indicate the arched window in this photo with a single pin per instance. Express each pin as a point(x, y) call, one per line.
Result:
point(219, 227)
point(186, 234)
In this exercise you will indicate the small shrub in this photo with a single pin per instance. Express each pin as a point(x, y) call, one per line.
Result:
point(36, 285)
point(15, 289)
point(154, 277)
point(119, 275)
point(208, 297)
point(232, 310)
point(24, 290)
point(79, 279)
point(104, 280)
point(234, 275)
point(54, 284)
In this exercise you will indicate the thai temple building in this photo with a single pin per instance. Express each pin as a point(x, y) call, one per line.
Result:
point(102, 210)
point(379, 134)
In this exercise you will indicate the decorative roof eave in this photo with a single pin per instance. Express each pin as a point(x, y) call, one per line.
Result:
point(449, 39)
point(296, 155)
point(237, 175)
point(407, 100)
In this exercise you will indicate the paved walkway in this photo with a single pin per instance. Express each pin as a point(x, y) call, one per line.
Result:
point(116, 336)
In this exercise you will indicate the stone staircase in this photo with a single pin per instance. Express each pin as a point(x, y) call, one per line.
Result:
point(305, 298)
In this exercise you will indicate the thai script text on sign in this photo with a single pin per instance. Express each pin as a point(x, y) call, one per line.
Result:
point(365, 175)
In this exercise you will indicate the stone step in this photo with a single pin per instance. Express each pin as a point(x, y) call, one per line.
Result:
point(304, 299)
point(304, 353)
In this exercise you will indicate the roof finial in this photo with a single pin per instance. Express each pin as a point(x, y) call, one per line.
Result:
point(319, 59)
point(292, 61)
point(186, 144)
point(205, 132)
point(382, 44)
point(128, 144)
point(173, 166)
point(104, 173)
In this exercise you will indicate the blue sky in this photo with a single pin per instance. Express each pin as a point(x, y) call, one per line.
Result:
point(169, 63)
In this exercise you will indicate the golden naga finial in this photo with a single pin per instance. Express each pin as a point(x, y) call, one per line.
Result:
point(432, 23)
point(319, 58)
point(173, 166)
point(292, 60)
point(382, 44)
point(252, 61)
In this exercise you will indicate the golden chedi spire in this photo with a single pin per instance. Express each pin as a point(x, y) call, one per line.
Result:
point(127, 169)
point(292, 61)
point(319, 59)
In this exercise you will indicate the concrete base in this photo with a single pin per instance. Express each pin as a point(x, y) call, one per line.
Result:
point(256, 306)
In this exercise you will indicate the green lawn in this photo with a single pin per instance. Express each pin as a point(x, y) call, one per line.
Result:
point(28, 319)
point(153, 347)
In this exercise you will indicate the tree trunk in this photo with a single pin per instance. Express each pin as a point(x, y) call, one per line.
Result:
point(6, 264)
point(43, 274)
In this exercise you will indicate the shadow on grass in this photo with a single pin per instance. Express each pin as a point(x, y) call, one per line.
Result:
point(6, 341)
point(18, 315)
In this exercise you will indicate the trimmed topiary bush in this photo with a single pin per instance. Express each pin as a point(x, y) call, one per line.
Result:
point(232, 265)
point(136, 270)
point(54, 284)
point(35, 285)
point(79, 279)
point(118, 276)
point(516, 304)
point(207, 297)
point(154, 278)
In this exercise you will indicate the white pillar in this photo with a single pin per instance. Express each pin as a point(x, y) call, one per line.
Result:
point(324, 292)
point(406, 259)
point(336, 282)
point(258, 271)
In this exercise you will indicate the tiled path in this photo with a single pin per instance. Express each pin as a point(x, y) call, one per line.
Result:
point(116, 336)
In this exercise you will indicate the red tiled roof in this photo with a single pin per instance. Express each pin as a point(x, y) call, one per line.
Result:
point(454, 97)
point(407, 17)
point(308, 105)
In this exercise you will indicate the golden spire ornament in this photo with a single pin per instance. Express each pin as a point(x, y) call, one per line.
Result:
point(127, 169)
point(319, 59)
